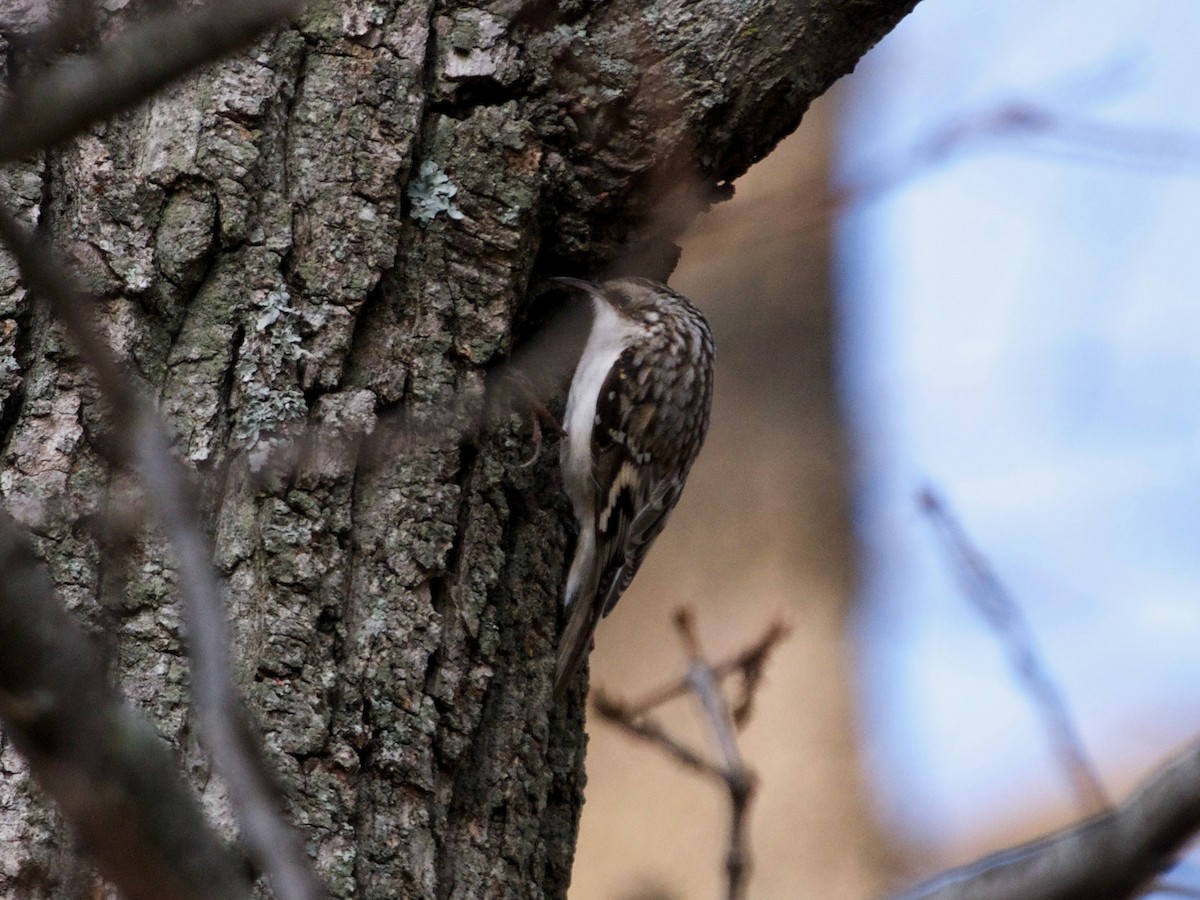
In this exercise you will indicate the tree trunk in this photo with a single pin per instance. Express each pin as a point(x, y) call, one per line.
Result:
point(310, 254)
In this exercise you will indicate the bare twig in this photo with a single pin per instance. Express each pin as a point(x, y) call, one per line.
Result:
point(112, 776)
point(54, 105)
point(703, 680)
point(737, 777)
point(751, 664)
point(1109, 857)
point(171, 492)
point(1003, 615)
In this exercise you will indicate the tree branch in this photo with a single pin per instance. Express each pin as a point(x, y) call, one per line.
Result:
point(1108, 857)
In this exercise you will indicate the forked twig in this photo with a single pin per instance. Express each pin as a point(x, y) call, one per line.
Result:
point(703, 679)
point(748, 662)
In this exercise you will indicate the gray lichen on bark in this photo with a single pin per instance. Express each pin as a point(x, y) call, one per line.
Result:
point(393, 575)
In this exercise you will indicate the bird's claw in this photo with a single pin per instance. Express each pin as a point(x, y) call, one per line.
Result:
point(540, 415)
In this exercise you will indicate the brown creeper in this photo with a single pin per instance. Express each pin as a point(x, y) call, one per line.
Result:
point(636, 416)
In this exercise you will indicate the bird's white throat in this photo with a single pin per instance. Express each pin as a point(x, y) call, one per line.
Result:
point(611, 333)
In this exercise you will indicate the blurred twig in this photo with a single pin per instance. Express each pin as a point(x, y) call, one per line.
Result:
point(53, 105)
point(1003, 615)
point(44, 109)
point(1171, 889)
point(1039, 129)
point(1113, 855)
point(1022, 125)
point(703, 679)
point(738, 778)
point(143, 442)
point(70, 22)
point(110, 773)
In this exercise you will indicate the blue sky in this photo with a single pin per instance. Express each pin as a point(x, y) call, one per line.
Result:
point(1022, 329)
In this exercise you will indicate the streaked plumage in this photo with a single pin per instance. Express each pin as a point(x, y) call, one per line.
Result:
point(636, 416)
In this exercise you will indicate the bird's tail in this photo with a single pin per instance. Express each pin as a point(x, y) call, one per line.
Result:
point(583, 613)
point(575, 643)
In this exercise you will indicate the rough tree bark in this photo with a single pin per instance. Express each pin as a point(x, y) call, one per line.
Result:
point(326, 236)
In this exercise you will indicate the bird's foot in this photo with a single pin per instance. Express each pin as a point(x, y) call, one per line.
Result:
point(539, 414)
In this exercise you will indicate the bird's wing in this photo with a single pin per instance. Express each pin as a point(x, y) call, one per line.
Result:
point(632, 494)
point(642, 531)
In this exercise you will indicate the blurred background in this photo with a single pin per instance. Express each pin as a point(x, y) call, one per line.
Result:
point(975, 267)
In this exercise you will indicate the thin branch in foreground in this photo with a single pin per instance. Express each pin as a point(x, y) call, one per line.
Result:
point(1112, 856)
point(1003, 615)
point(1019, 127)
point(172, 494)
point(703, 679)
point(60, 102)
point(70, 22)
point(110, 773)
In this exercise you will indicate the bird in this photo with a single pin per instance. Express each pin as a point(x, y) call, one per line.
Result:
point(637, 414)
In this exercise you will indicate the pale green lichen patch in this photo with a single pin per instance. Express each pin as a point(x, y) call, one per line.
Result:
point(268, 399)
point(432, 192)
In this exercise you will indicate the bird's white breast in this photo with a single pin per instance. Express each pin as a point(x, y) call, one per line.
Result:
point(610, 335)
